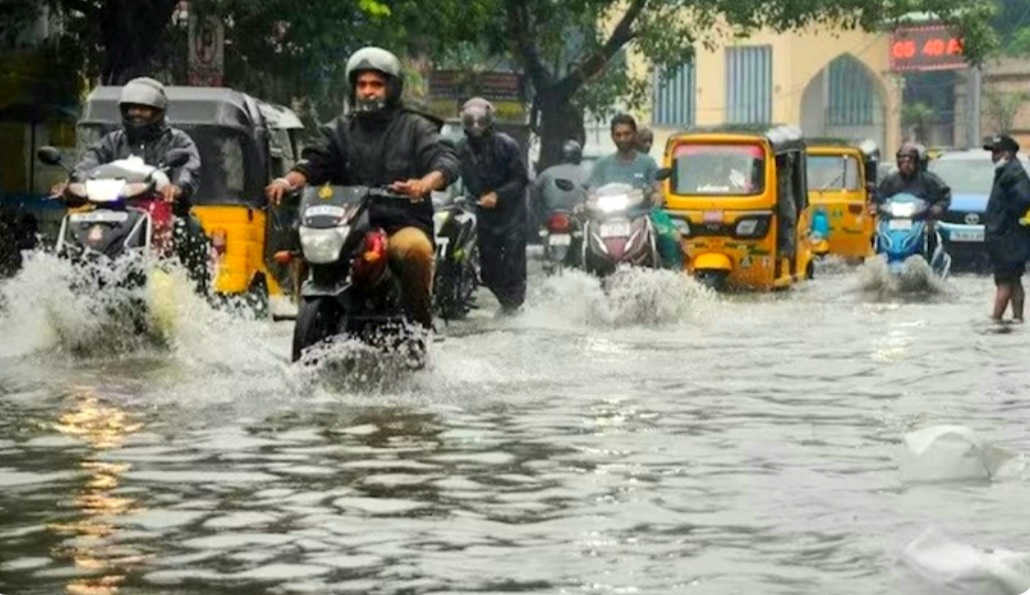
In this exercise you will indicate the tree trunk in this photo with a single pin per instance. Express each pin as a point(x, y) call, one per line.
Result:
point(131, 32)
point(560, 121)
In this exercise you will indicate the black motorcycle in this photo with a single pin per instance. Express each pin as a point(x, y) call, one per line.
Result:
point(457, 259)
point(350, 290)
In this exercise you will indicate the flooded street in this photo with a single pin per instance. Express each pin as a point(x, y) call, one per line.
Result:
point(657, 439)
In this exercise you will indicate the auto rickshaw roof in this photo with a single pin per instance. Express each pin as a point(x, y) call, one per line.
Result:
point(781, 137)
point(279, 116)
point(868, 147)
point(187, 106)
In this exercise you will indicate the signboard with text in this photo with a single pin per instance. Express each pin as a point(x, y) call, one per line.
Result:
point(923, 48)
point(206, 51)
point(449, 88)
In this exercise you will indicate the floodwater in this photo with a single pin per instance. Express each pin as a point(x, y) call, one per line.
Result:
point(653, 439)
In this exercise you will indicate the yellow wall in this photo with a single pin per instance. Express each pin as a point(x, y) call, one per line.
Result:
point(798, 62)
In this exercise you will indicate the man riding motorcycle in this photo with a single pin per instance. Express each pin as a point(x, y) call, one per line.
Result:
point(495, 173)
point(380, 143)
point(912, 178)
point(147, 135)
point(545, 195)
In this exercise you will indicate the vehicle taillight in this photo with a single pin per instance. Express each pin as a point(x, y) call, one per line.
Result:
point(559, 222)
point(218, 241)
point(370, 261)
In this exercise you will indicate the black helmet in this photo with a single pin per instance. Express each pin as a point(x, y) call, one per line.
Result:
point(477, 117)
point(383, 62)
point(571, 152)
point(147, 92)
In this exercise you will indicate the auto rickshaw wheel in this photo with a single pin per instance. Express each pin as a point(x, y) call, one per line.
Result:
point(714, 280)
point(810, 271)
point(257, 296)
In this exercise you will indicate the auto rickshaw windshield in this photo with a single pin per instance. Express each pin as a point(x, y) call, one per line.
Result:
point(719, 169)
point(833, 172)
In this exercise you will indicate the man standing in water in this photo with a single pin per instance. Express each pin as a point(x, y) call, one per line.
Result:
point(1005, 239)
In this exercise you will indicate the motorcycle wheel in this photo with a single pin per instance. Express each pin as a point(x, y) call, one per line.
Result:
point(317, 321)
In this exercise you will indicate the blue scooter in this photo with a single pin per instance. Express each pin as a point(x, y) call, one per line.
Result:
point(902, 232)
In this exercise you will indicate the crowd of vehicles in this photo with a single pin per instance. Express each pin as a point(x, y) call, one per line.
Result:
point(754, 207)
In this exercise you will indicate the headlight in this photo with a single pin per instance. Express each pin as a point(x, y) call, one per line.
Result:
point(902, 209)
point(613, 203)
point(322, 246)
point(134, 189)
point(683, 226)
point(104, 190)
point(747, 227)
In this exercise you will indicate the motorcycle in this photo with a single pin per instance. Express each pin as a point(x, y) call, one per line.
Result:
point(350, 290)
point(457, 259)
point(561, 237)
point(903, 232)
point(617, 228)
point(119, 223)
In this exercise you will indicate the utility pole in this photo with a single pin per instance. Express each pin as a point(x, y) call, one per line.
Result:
point(974, 109)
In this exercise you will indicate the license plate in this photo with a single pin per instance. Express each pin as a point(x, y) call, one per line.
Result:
point(560, 239)
point(967, 235)
point(616, 229)
point(899, 224)
point(324, 211)
point(712, 217)
point(99, 217)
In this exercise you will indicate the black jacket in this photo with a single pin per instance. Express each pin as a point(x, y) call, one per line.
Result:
point(1006, 240)
point(118, 145)
point(922, 184)
point(496, 165)
point(401, 145)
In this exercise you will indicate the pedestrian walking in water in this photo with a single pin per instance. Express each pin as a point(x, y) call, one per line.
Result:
point(1007, 242)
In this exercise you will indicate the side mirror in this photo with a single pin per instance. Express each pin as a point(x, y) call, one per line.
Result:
point(663, 173)
point(49, 155)
point(177, 158)
point(564, 184)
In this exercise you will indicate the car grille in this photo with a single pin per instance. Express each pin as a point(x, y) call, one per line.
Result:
point(960, 217)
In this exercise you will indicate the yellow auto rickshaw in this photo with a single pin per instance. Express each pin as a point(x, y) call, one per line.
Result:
point(238, 146)
point(737, 195)
point(841, 182)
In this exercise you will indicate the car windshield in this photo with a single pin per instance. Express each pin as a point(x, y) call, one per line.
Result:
point(832, 172)
point(966, 176)
point(719, 169)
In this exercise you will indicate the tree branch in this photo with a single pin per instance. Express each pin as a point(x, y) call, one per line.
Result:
point(596, 63)
point(523, 43)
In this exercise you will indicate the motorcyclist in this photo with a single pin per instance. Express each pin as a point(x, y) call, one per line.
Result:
point(381, 143)
point(146, 134)
point(494, 172)
point(913, 178)
point(545, 196)
point(645, 139)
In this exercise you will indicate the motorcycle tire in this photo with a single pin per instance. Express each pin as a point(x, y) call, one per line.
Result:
point(318, 320)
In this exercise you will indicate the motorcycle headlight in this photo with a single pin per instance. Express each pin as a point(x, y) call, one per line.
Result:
point(322, 246)
point(104, 190)
point(134, 189)
point(613, 203)
point(903, 210)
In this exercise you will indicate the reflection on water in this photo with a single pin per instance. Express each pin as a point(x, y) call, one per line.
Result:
point(646, 437)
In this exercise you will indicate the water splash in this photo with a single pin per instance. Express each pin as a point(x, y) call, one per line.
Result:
point(632, 296)
point(915, 277)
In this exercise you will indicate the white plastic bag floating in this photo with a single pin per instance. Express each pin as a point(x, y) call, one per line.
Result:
point(955, 453)
point(942, 566)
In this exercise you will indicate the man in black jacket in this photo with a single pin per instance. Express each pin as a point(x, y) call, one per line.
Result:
point(911, 177)
point(382, 144)
point(495, 173)
point(1005, 239)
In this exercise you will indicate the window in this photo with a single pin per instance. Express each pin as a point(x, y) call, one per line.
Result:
point(749, 84)
point(850, 94)
point(727, 170)
point(832, 172)
point(674, 96)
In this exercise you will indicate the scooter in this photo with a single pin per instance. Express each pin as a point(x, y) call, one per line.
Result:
point(350, 290)
point(456, 278)
point(903, 232)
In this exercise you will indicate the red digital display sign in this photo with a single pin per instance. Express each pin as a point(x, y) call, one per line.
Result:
point(931, 47)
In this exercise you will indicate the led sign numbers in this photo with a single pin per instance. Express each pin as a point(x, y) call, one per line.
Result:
point(925, 48)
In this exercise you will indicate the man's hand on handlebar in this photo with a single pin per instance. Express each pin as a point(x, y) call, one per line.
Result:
point(280, 186)
point(415, 189)
point(171, 193)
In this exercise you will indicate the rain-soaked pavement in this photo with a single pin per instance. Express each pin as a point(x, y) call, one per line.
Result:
point(657, 439)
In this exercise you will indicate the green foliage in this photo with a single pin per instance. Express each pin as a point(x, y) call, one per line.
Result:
point(1002, 108)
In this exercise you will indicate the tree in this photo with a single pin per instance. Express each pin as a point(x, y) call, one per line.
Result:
point(1002, 108)
point(571, 50)
point(918, 118)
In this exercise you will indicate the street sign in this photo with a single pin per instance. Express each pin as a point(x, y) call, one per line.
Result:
point(931, 47)
point(206, 51)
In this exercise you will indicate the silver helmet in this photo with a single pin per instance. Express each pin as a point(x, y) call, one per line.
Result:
point(147, 92)
point(378, 60)
point(477, 117)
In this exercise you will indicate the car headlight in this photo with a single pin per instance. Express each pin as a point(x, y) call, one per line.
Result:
point(322, 246)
